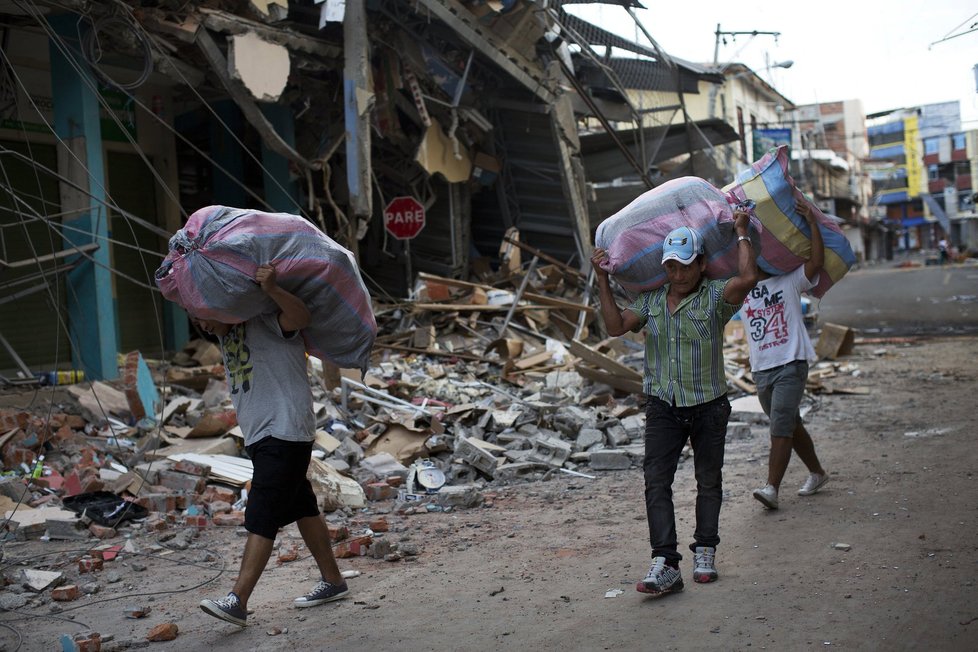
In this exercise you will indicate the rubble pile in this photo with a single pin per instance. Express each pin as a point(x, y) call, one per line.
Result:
point(471, 386)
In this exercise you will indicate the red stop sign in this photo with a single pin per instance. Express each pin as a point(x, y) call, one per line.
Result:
point(404, 218)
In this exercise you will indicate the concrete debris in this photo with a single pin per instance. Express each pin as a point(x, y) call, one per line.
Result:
point(40, 580)
point(433, 426)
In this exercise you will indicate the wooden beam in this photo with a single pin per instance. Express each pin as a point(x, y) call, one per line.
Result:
point(437, 353)
point(550, 259)
point(597, 375)
point(589, 355)
point(530, 296)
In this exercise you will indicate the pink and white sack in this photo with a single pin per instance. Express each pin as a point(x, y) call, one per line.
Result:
point(210, 270)
point(634, 235)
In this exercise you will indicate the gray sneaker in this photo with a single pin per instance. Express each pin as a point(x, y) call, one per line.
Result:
point(813, 483)
point(704, 564)
point(228, 609)
point(322, 593)
point(661, 579)
point(767, 496)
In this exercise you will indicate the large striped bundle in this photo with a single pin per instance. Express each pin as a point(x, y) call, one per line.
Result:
point(634, 235)
point(211, 266)
point(786, 239)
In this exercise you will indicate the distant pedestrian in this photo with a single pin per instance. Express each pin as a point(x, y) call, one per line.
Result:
point(942, 247)
point(686, 391)
point(265, 362)
point(780, 352)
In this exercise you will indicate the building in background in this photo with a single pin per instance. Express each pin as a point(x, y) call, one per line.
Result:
point(829, 147)
point(921, 171)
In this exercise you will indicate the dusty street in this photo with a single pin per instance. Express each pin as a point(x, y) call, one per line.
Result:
point(531, 570)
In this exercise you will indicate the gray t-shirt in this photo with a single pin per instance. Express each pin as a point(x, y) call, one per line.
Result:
point(266, 374)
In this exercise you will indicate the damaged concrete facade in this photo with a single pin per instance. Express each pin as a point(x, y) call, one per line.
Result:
point(121, 118)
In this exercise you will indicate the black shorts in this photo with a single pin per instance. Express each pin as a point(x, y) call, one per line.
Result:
point(280, 492)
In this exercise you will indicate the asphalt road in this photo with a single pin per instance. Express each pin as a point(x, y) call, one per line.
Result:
point(893, 301)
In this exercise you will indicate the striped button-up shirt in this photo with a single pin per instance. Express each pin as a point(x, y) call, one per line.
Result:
point(684, 350)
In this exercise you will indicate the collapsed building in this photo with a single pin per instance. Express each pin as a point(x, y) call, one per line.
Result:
point(501, 121)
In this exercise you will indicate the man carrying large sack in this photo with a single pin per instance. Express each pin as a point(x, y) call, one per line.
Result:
point(686, 390)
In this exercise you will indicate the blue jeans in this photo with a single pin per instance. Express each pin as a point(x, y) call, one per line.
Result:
point(667, 428)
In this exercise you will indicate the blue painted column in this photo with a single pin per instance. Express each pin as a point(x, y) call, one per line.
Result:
point(92, 321)
point(280, 192)
point(228, 154)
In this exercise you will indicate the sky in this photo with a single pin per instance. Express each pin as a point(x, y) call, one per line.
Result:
point(885, 54)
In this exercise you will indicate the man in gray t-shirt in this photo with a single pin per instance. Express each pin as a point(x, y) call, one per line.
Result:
point(265, 362)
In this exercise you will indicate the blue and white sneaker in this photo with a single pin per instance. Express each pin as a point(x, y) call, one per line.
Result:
point(322, 593)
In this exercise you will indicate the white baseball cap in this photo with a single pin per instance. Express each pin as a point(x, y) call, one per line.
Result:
point(682, 244)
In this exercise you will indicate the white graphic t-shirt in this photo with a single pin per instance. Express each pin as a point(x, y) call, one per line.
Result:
point(774, 323)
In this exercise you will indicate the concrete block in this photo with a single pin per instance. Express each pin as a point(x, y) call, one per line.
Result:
point(610, 460)
point(617, 435)
point(65, 529)
point(516, 470)
point(459, 496)
point(550, 451)
point(588, 437)
point(634, 425)
point(475, 456)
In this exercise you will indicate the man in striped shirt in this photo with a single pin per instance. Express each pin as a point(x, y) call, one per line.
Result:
point(686, 390)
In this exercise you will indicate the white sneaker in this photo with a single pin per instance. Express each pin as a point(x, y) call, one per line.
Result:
point(768, 496)
point(814, 482)
point(661, 579)
point(704, 564)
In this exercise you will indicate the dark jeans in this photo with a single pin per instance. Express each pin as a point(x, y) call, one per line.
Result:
point(667, 428)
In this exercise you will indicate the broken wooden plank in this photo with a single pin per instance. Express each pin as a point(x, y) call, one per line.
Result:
point(472, 307)
point(533, 360)
point(543, 256)
point(599, 376)
point(589, 355)
point(529, 296)
point(436, 352)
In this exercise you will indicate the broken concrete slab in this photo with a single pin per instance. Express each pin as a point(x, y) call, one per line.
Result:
point(40, 580)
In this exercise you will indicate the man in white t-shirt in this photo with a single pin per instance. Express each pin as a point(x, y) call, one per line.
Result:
point(780, 352)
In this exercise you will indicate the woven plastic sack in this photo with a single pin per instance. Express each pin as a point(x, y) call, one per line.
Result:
point(786, 239)
point(210, 271)
point(634, 235)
